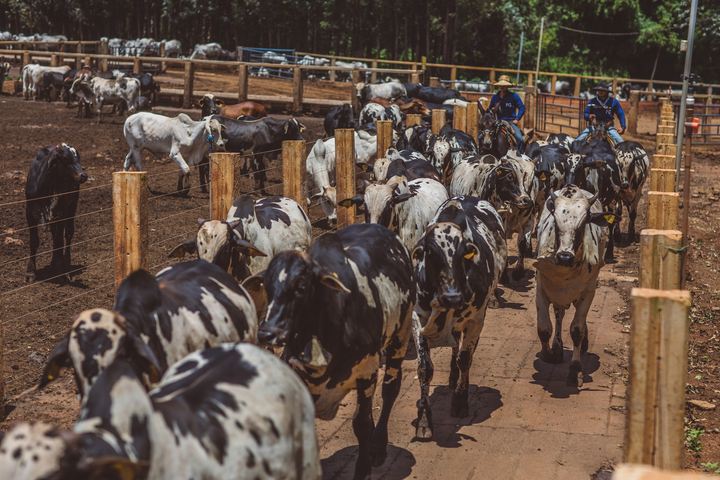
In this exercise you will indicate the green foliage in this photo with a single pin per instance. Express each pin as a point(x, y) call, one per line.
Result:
point(692, 439)
point(711, 467)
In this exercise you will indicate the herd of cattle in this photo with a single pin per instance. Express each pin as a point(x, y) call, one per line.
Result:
point(171, 382)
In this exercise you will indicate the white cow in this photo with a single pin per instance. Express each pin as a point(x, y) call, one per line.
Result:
point(32, 77)
point(183, 139)
point(100, 91)
point(173, 48)
point(320, 167)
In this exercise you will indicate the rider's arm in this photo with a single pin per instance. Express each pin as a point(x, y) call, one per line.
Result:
point(588, 111)
point(619, 112)
point(520, 107)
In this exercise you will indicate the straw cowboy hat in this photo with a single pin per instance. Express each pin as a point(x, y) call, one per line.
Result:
point(602, 86)
point(504, 81)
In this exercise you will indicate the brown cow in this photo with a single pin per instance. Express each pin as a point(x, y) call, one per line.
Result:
point(211, 105)
point(416, 106)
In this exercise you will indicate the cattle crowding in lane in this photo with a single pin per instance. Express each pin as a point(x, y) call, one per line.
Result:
point(426, 266)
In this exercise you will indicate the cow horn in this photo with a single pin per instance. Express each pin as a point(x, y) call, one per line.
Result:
point(594, 198)
point(554, 196)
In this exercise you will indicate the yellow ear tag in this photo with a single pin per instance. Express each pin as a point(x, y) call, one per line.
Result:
point(335, 275)
point(543, 177)
point(610, 218)
point(126, 472)
point(470, 255)
point(499, 172)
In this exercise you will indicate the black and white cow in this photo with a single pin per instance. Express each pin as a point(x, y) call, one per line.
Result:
point(634, 170)
point(414, 137)
point(405, 207)
point(251, 235)
point(182, 139)
point(187, 307)
point(232, 411)
point(550, 170)
point(99, 91)
point(562, 139)
point(571, 242)
point(458, 263)
point(339, 117)
point(367, 92)
point(50, 81)
point(410, 164)
point(337, 310)
point(52, 191)
point(372, 112)
point(489, 179)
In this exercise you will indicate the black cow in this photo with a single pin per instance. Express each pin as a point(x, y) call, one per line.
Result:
point(449, 110)
point(550, 169)
point(436, 95)
point(414, 137)
point(259, 136)
point(339, 117)
point(51, 192)
point(51, 81)
point(336, 310)
point(412, 89)
point(144, 104)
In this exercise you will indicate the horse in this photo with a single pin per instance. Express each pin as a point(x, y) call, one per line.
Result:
point(600, 132)
point(494, 138)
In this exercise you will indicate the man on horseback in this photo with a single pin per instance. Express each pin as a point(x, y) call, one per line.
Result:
point(509, 102)
point(603, 109)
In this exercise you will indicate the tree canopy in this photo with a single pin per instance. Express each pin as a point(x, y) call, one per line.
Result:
point(471, 32)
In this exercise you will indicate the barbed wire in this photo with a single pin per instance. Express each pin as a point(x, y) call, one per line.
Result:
point(56, 195)
point(55, 250)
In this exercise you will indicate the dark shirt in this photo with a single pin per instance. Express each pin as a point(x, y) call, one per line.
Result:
point(605, 112)
point(508, 104)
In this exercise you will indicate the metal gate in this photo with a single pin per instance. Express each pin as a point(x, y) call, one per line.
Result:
point(560, 114)
point(709, 129)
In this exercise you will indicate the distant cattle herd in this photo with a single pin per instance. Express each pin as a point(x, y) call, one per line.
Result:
point(424, 267)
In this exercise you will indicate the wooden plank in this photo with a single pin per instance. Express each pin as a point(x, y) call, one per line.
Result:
point(665, 129)
point(668, 149)
point(660, 261)
point(137, 66)
point(413, 119)
point(578, 81)
point(438, 120)
point(553, 82)
point(297, 92)
point(130, 221)
point(104, 51)
point(242, 83)
point(662, 180)
point(345, 174)
point(294, 172)
point(222, 178)
point(657, 364)
point(385, 137)
point(434, 81)
point(663, 210)
point(460, 118)
point(354, 99)
point(664, 138)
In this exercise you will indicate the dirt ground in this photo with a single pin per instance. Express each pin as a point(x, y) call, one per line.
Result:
point(523, 420)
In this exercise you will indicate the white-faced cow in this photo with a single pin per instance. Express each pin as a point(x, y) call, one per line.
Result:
point(187, 307)
point(52, 191)
point(251, 235)
point(232, 411)
point(337, 310)
point(100, 91)
point(634, 169)
point(571, 242)
point(181, 138)
point(458, 263)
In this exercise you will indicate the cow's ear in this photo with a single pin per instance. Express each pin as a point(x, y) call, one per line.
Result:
point(503, 171)
point(472, 252)
point(255, 287)
point(403, 197)
point(287, 126)
point(116, 468)
point(593, 163)
point(189, 246)
point(418, 252)
point(550, 204)
point(302, 127)
point(357, 200)
point(330, 280)
point(201, 222)
point(59, 358)
point(140, 352)
point(246, 247)
point(603, 219)
point(202, 102)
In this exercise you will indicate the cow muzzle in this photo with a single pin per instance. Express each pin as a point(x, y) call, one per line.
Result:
point(524, 203)
point(625, 185)
point(82, 178)
point(273, 336)
point(564, 259)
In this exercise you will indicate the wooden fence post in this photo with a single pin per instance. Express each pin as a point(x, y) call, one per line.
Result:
point(614, 87)
point(130, 220)
point(660, 259)
point(25, 59)
point(662, 180)
point(294, 173)
point(163, 65)
point(87, 62)
point(354, 99)
point(460, 118)
point(530, 106)
point(663, 139)
point(453, 76)
point(529, 81)
point(633, 112)
point(53, 60)
point(242, 82)
point(415, 78)
point(297, 108)
point(222, 182)
point(668, 149)
point(658, 367)
point(384, 137)
point(553, 81)
point(663, 210)
point(492, 76)
point(438, 120)
point(373, 75)
point(626, 471)
point(471, 122)
point(578, 82)
point(78, 60)
point(345, 173)
point(104, 51)
point(332, 72)
point(137, 66)
point(189, 84)
point(663, 162)
point(413, 119)
point(434, 81)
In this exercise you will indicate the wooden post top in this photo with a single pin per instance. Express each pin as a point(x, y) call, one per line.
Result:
point(677, 295)
point(667, 233)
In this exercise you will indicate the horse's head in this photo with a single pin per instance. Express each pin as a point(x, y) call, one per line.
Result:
point(487, 127)
point(600, 131)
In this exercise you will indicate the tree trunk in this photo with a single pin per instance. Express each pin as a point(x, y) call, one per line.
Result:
point(405, 41)
point(427, 28)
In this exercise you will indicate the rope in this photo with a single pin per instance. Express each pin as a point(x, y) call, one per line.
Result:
point(676, 250)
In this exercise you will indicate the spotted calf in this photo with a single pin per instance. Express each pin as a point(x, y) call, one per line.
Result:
point(634, 170)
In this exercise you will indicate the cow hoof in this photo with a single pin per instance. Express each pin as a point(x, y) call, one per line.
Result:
point(378, 456)
point(584, 345)
point(575, 376)
point(184, 192)
point(424, 428)
point(546, 356)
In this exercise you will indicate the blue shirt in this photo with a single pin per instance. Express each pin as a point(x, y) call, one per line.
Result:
point(605, 112)
point(508, 104)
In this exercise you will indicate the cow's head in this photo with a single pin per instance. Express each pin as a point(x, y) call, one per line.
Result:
point(510, 186)
point(213, 130)
point(96, 339)
point(221, 243)
point(626, 162)
point(380, 168)
point(210, 105)
point(359, 87)
point(345, 116)
point(293, 129)
point(379, 200)
point(81, 80)
point(63, 164)
point(571, 211)
point(294, 284)
point(439, 153)
point(577, 165)
point(446, 256)
point(328, 202)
